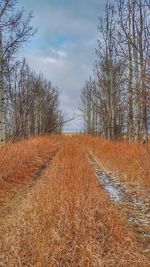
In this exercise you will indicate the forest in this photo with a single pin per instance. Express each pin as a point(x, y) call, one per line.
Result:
point(115, 100)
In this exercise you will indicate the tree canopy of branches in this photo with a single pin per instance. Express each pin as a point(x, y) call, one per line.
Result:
point(15, 29)
point(116, 100)
point(32, 106)
point(28, 103)
point(15, 26)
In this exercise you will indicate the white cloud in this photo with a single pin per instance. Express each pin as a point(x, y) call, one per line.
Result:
point(49, 60)
point(62, 54)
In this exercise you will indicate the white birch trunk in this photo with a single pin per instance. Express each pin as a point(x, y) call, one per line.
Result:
point(2, 119)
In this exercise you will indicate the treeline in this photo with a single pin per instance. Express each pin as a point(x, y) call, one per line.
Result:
point(32, 104)
point(115, 101)
point(29, 104)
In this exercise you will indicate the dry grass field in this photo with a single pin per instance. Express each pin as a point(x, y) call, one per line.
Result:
point(22, 160)
point(66, 218)
point(131, 160)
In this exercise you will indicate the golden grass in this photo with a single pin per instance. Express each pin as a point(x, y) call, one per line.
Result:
point(20, 161)
point(132, 161)
point(67, 220)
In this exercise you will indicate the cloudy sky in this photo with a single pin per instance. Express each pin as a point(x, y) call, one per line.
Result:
point(64, 48)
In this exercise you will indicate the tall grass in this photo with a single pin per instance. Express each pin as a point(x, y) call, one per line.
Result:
point(132, 161)
point(68, 220)
point(21, 160)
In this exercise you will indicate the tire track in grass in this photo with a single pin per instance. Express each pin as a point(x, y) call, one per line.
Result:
point(137, 211)
point(14, 200)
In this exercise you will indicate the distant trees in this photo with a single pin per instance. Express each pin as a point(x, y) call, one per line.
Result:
point(31, 104)
point(121, 94)
point(28, 103)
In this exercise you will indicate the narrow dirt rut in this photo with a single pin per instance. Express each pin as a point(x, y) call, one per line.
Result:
point(14, 201)
point(136, 210)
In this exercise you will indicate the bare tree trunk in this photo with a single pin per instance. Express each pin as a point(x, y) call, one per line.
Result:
point(2, 118)
point(144, 100)
point(130, 129)
point(137, 85)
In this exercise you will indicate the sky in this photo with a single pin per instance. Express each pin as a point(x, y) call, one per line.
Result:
point(64, 47)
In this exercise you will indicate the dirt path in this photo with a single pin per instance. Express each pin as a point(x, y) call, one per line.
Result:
point(14, 201)
point(136, 209)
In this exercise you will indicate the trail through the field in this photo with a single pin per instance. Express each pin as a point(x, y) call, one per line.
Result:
point(15, 198)
point(137, 210)
point(63, 216)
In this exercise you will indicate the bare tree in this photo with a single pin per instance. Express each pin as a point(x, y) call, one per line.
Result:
point(122, 70)
point(15, 29)
point(2, 121)
point(32, 104)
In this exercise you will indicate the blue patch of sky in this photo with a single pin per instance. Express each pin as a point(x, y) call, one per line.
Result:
point(57, 41)
point(60, 40)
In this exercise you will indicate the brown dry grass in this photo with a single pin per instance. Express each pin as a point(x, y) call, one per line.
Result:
point(20, 161)
point(131, 160)
point(67, 220)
